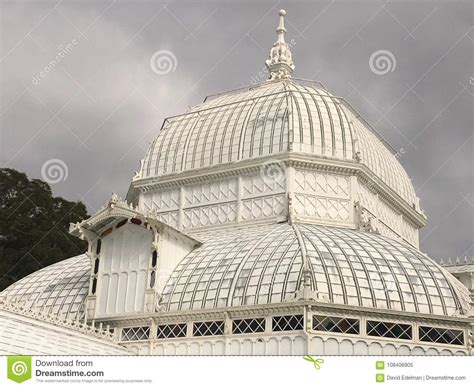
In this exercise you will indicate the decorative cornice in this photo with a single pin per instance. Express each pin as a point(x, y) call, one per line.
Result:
point(294, 159)
point(291, 308)
point(458, 261)
point(118, 208)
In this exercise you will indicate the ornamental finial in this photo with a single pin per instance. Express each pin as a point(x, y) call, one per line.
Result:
point(280, 63)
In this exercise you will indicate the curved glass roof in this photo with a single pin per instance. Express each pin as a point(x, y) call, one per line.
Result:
point(60, 288)
point(264, 265)
point(267, 119)
point(251, 123)
point(380, 160)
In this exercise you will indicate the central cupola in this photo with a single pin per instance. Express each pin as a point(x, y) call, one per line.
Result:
point(280, 64)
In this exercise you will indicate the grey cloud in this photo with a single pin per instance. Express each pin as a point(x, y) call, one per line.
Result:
point(116, 104)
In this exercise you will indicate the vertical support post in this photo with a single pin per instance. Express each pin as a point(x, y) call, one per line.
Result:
point(152, 338)
point(353, 190)
point(289, 174)
point(307, 327)
point(268, 324)
point(189, 329)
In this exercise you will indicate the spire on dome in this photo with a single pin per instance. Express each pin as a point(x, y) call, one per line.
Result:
point(280, 63)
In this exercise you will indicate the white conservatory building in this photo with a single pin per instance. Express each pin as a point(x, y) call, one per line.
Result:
point(270, 220)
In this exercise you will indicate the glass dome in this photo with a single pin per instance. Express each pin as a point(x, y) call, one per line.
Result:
point(60, 288)
point(263, 265)
point(285, 115)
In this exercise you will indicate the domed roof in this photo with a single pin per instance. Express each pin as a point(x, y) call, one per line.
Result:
point(264, 264)
point(280, 115)
point(60, 288)
point(275, 117)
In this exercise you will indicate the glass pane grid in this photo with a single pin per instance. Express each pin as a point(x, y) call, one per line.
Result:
point(55, 288)
point(135, 333)
point(348, 267)
point(287, 323)
point(389, 330)
point(176, 330)
point(441, 335)
point(201, 329)
point(254, 325)
point(336, 324)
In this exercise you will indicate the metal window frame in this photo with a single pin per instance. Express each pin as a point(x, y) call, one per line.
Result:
point(135, 333)
point(211, 328)
point(286, 319)
point(441, 331)
point(171, 330)
point(353, 323)
point(372, 331)
point(242, 325)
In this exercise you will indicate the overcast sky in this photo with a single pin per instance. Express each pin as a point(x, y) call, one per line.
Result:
point(98, 108)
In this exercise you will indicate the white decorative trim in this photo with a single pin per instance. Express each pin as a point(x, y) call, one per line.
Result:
point(54, 319)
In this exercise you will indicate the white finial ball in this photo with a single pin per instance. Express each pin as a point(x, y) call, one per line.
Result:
point(282, 12)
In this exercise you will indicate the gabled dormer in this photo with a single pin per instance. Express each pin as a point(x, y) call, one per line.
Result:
point(131, 255)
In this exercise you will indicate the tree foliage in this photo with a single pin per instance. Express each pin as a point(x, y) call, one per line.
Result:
point(34, 226)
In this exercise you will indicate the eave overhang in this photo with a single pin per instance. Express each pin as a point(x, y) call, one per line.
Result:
point(115, 211)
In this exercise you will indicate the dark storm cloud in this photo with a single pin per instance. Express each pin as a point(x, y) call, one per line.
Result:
point(97, 103)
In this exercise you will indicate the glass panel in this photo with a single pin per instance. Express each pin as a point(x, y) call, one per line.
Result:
point(287, 323)
point(176, 330)
point(336, 324)
point(254, 325)
point(389, 330)
point(441, 335)
point(208, 328)
point(135, 333)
